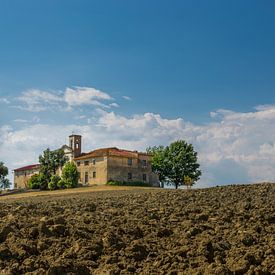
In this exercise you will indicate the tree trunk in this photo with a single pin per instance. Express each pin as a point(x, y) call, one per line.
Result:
point(176, 185)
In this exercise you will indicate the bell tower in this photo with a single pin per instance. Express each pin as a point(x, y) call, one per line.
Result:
point(75, 144)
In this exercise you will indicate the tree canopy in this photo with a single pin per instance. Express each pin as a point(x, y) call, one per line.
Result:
point(70, 175)
point(51, 161)
point(4, 182)
point(176, 164)
point(160, 164)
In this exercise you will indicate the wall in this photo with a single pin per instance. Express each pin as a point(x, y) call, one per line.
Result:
point(21, 178)
point(118, 169)
point(100, 167)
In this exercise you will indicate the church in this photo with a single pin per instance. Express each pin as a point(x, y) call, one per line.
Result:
point(99, 166)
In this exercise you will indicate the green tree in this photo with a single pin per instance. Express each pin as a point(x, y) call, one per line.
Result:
point(38, 181)
point(183, 164)
point(4, 182)
point(159, 162)
point(51, 161)
point(61, 184)
point(53, 184)
point(175, 164)
point(70, 175)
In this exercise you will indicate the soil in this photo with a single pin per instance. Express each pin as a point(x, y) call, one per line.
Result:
point(221, 230)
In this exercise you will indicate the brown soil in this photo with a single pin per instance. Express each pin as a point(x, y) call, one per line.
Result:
point(222, 230)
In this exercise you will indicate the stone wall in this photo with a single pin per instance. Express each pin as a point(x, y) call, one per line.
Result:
point(121, 169)
point(21, 178)
point(92, 170)
point(100, 170)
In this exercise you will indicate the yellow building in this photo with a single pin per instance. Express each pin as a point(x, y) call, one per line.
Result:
point(100, 166)
point(23, 174)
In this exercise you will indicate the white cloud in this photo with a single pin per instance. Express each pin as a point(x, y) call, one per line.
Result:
point(19, 120)
point(126, 97)
point(85, 96)
point(35, 100)
point(80, 117)
point(235, 147)
point(114, 105)
point(4, 100)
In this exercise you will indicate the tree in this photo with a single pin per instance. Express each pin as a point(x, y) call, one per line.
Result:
point(176, 164)
point(61, 184)
point(51, 161)
point(53, 184)
point(70, 175)
point(38, 181)
point(188, 182)
point(183, 165)
point(4, 182)
point(159, 162)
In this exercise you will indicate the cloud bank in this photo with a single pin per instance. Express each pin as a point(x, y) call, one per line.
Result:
point(234, 147)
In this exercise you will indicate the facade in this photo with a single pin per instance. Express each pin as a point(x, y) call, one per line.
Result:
point(23, 174)
point(113, 164)
point(99, 166)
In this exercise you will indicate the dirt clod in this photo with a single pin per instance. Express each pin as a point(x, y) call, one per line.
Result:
point(222, 230)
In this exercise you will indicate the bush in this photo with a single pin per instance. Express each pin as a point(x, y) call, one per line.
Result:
point(70, 175)
point(53, 184)
point(37, 181)
point(128, 183)
point(61, 184)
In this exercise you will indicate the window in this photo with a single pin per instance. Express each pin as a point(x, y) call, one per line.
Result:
point(144, 177)
point(86, 177)
point(130, 162)
point(130, 176)
point(93, 161)
point(144, 163)
point(78, 163)
point(86, 162)
point(94, 175)
point(77, 145)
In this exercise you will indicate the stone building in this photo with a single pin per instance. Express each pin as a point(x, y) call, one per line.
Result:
point(100, 166)
point(23, 174)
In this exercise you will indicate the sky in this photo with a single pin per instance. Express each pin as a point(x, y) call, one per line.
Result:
point(134, 74)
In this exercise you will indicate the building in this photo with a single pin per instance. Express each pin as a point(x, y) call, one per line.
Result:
point(23, 174)
point(100, 166)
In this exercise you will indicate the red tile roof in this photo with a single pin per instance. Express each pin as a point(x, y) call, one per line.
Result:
point(29, 167)
point(112, 151)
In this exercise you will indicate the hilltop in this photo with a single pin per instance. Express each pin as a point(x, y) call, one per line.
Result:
point(219, 230)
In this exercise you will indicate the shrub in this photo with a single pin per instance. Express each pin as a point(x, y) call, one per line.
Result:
point(61, 184)
point(53, 184)
point(37, 181)
point(128, 183)
point(70, 175)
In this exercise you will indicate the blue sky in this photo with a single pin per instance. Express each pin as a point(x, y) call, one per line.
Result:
point(198, 67)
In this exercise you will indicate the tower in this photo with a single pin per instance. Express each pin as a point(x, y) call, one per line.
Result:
point(75, 144)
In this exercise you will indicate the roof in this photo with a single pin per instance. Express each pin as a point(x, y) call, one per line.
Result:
point(75, 135)
point(111, 151)
point(66, 147)
point(29, 167)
